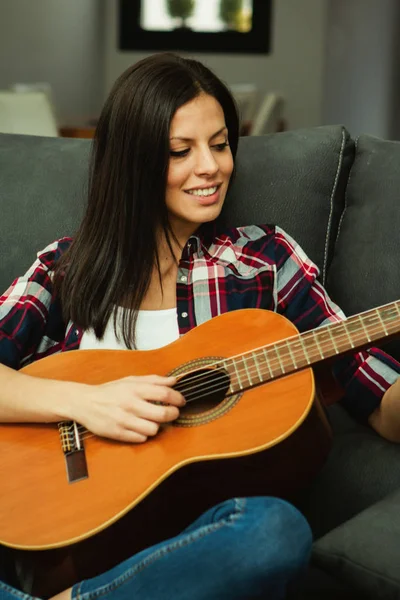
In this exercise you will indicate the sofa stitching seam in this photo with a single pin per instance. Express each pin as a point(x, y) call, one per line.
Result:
point(358, 565)
point(334, 188)
point(347, 187)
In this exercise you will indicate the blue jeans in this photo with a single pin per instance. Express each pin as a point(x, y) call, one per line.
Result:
point(240, 549)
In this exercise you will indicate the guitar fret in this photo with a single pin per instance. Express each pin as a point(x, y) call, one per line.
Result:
point(237, 374)
point(299, 353)
point(291, 354)
point(279, 360)
point(381, 321)
point(255, 359)
point(305, 350)
point(353, 325)
point(224, 364)
point(333, 340)
point(360, 319)
point(390, 314)
point(396, 309)
point(318, 345)
point(309, 345)
point(247, 369)
point(326, 340)
point(391, 318)
point(348, 335)
point(271, 374)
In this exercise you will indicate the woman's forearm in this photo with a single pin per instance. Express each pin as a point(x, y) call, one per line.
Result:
point(386, 418)
point(26, 399)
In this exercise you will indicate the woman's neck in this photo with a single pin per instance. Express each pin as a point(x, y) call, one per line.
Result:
point(171, 254)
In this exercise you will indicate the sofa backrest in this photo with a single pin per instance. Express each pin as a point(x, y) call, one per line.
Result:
point(295, 179)
point(42, 184)
point(365, 270)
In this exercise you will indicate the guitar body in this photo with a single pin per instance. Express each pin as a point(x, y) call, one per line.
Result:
point(270, 439)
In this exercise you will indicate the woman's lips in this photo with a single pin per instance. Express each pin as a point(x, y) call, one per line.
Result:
point(207, 200)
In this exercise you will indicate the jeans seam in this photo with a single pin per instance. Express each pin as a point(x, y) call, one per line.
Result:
point(14, 592)
point(161, 552)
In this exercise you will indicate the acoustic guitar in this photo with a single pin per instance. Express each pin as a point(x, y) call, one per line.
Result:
point(252, 425)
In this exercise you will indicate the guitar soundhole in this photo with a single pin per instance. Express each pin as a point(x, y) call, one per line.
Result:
point(203, 390)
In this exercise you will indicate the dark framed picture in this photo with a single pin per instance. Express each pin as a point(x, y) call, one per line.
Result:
point(240, 26)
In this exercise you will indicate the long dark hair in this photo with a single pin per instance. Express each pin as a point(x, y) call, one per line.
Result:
point(112, 256)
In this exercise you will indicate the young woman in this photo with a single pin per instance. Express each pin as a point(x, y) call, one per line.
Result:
point(149, 263)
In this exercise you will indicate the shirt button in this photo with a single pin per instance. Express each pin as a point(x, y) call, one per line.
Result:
point(184, 315)
point(183, 278)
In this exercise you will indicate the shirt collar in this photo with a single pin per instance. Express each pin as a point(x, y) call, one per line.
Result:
point(202, 238)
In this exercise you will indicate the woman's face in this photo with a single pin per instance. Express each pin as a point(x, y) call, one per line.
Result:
point(200, 165)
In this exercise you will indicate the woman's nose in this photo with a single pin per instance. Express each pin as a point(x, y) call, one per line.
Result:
point(206, 163)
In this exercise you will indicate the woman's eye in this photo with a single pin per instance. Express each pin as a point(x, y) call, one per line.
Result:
point(182, 153)
point(179, 153)
point(221, 147)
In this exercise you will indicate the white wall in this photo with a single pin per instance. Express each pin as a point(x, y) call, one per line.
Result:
point(295, 66)
point(362, 82)
point(57, 41)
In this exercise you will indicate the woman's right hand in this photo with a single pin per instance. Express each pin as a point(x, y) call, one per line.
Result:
point(124, 409)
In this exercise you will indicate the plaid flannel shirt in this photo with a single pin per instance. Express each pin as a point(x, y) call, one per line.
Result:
point(245, 267)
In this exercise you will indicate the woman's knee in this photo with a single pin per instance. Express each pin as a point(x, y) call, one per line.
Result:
point(279, 536)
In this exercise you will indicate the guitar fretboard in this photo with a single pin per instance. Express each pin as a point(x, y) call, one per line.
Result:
point(306, 349)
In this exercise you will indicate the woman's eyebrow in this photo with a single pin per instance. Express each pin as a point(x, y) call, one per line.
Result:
point(185, 139)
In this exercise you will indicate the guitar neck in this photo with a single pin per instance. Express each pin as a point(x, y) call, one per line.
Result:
point(306, 349)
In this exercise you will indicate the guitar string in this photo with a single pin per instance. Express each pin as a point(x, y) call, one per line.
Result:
point(250, 370)
point(85, 434)
point(294, 355)
point(278, 346)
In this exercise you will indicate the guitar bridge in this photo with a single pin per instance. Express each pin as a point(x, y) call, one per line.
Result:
point(74, 451)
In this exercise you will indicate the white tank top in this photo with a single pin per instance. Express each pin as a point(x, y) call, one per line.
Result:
point(154, 329)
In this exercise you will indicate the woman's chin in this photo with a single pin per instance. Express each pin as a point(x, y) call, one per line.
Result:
point(208, 213)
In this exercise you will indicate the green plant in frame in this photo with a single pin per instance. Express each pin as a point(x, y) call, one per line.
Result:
point(229, 12)
point(181, 9)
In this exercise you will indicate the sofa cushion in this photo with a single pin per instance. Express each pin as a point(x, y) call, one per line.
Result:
point(41, 196)
point(295, 179)
point(365, 270)
point(365, 551)
point(361, 469)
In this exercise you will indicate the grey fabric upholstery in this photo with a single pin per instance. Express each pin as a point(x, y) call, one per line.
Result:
point(365, 271)
point(353, 550)
point(361, 469)
point(285, 178)
point(41, 196)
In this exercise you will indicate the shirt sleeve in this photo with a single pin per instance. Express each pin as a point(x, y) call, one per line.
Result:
point(366, 375)
point(24, 310)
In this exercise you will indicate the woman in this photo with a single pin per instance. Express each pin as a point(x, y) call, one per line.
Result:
point(149, 263)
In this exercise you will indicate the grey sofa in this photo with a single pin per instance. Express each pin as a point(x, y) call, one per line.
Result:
point(339, 199)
